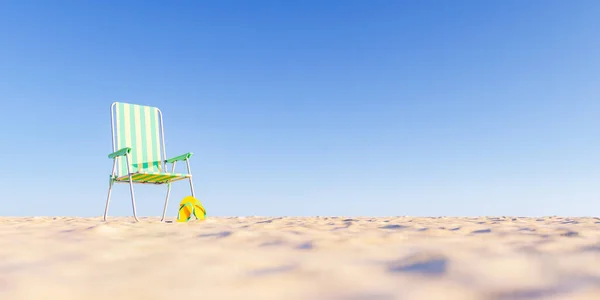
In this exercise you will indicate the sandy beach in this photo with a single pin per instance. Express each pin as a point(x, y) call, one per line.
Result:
point(300, 258)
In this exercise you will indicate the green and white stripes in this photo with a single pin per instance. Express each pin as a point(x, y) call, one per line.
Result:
point(154, 177)
point(137, 127)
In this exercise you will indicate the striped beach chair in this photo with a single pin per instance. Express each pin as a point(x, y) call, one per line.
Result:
point(139, 154)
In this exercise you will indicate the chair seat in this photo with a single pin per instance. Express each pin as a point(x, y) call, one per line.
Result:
point(154, 177)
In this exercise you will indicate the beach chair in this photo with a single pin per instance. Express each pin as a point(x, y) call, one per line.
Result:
point(137, 140)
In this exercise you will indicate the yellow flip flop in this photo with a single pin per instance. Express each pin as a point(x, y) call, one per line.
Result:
point(191, 206)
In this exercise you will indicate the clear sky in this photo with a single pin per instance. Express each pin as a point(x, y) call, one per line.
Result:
point(423, 108)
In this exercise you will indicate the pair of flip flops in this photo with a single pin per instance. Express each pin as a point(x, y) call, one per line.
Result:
point(191, 206)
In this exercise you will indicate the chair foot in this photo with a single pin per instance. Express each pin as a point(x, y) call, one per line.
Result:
point(166, 203)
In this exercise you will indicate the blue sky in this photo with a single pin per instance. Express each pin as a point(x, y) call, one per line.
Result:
point(373, 108)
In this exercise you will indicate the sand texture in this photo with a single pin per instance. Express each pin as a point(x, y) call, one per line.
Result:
point(300, 258)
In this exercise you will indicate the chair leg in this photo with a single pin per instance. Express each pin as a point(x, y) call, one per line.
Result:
point(131, 188)
point(187, 162)
point(192, 187)
point(166, 202)
point(110, 185)
point(132, 198)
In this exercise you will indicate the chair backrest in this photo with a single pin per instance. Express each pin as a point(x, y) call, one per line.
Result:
point(140, 128)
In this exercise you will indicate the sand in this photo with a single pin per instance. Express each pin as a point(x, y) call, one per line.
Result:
point(300, 258)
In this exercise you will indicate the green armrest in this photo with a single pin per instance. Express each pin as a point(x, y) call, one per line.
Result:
point(121, 152)
point(179, 158)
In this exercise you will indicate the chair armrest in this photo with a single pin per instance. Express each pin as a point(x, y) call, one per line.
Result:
point(121, 152)
point(179, 158)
